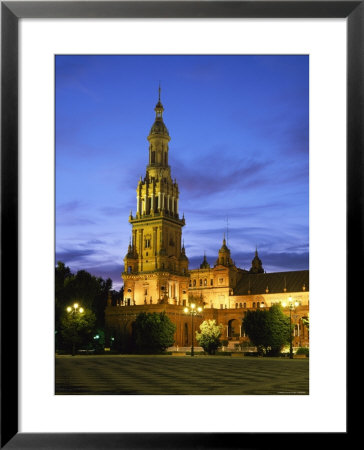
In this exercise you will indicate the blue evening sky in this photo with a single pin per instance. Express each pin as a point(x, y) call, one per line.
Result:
point(239, 150)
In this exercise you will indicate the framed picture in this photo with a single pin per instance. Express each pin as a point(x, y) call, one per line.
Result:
point(19, 299)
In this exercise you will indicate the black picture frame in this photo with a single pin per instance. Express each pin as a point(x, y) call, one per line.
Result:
point(11, 12)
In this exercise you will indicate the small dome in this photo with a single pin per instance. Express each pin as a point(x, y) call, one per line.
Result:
point(224, 248)
point(204, 264)
point(159, 128)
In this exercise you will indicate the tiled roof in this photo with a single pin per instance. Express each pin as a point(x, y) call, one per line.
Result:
point(257, 282)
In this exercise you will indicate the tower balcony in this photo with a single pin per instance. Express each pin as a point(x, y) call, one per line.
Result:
point(158, 165)
point(155, 215)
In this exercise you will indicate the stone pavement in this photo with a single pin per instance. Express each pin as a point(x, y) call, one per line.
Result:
point(186, 375)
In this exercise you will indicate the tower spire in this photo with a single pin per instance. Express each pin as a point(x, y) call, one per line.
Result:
point(227, 230)
point(159, 91)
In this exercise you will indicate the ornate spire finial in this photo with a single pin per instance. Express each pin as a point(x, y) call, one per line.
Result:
point(159, 91)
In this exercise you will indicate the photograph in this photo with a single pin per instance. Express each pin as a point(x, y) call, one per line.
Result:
point(181, 224)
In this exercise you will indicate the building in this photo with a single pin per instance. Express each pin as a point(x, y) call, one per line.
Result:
point(156, 274)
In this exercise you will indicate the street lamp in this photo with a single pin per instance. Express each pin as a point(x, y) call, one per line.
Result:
point(291, 305)
point(74, 310)
point(193, 311)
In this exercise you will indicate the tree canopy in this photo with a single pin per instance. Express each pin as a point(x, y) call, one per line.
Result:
point(153, 332)
point(268, 329)
point(76, 329)
point(89, 291)
point(209, 336)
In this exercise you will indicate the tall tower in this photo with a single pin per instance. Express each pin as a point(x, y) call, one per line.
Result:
point(156, 266)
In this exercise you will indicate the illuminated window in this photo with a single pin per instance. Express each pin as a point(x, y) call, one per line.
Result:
point(194, 282)
point(205, 282)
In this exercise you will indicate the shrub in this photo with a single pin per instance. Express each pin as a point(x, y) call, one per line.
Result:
point(303, 351)
point(209, 337)
point(153, 332)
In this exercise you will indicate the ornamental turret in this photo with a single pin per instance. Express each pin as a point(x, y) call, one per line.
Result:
point(224, 258)
point(256, 264)
point(204, 264)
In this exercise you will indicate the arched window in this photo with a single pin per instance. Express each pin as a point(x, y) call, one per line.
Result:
point(153, 157)
point(205, 282)
point(253, 304)
point(200, 282)
point(194, 282)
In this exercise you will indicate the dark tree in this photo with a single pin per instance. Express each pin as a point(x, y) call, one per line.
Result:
point(268, 329)
point(153, 332)
point(88, 291)
point(77, 330)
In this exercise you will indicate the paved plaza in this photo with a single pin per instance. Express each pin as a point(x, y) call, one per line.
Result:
point(180, 375)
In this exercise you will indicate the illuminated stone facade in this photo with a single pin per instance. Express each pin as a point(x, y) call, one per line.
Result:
point(156, 275)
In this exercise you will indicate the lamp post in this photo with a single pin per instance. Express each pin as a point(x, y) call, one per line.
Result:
point(73, 311)
point(291, 305)
point(193, 311)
